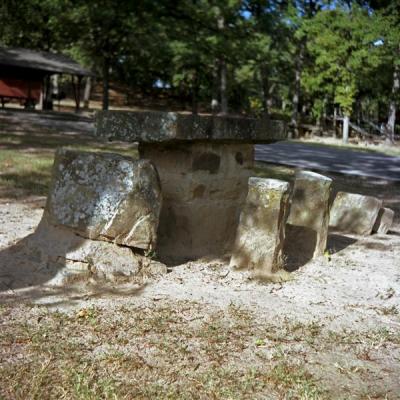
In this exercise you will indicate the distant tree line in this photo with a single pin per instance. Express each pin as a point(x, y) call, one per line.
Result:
point(306, 60)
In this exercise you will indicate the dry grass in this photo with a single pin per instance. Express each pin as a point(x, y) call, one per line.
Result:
point(179, 350)
point(164, 352)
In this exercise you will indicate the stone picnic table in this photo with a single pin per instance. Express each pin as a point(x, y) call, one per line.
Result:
point(204, 163)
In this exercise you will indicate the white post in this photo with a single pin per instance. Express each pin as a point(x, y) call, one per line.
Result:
point(345, 128)
point(86, 95)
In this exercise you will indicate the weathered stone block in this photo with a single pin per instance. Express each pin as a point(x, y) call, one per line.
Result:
point(204, 186)
point(105, 196)
point(308, 221)
point(354, 213)
point(68, 256)
point(163, 127)
point(261, 231)
point(384, 220)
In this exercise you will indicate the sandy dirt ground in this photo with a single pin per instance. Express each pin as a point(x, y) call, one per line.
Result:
point(351, 296)
point(202, 331)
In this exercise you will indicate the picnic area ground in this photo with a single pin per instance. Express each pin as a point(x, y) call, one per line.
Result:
point(201, 331)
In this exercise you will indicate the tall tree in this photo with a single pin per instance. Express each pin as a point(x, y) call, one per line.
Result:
point(36, 24)
point(388, 25)
point(266, 54)
point(299, 13)
point(343, 47)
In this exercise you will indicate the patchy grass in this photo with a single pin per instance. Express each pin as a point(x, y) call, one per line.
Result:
point(165, 352)
point(26, 159)
point(177, 350)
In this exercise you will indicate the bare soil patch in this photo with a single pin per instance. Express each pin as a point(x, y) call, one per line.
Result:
point(204, 331)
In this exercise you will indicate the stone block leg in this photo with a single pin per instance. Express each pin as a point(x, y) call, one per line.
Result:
point(354, 213)
point(308, 221)
point(204, 186)
point(260, 234)
point(105, 196)
point(101, 209)
point(384, 221)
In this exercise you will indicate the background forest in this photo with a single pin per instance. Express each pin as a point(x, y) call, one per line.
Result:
point(310, 61)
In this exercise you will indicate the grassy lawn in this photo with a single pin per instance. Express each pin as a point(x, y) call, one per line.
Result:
point(26, 159)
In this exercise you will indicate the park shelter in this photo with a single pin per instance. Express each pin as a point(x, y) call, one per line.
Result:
point(25, 75)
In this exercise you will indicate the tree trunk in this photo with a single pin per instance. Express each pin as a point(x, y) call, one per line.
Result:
point(47, 94)
point(345, 129)
point(106, 83)
point(223, 85)
point(214, 99)
point(76, 87)
point(335, 120)
point(295, 102)
point(297, 88)
point(324, 113)
point(391, 123)
point(194, 94)
point(86, 94)
point(358, 111)
point(78, 94)
point(269, 98)
point(265, 89)
point(223, 72)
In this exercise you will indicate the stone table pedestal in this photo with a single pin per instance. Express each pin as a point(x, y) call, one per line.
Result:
point(204, 164)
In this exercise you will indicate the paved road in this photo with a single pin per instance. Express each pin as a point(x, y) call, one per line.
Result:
point(324, 158)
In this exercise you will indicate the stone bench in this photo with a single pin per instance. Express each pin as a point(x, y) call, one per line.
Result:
point(101, 217)
point(204, 163)
point(105, 196)
point(354, 213)
point(308, 221)
point(261, 232)
point(384, 221)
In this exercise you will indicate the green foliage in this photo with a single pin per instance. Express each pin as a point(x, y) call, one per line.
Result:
point(346, 53)
point(342, 49)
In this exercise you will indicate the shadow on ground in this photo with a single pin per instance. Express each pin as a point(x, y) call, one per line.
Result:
point(26, 276)
point(338, 242)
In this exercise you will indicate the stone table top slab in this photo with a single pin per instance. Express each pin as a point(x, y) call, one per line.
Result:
point(164, 127)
